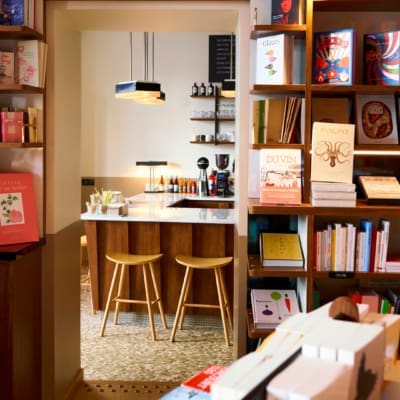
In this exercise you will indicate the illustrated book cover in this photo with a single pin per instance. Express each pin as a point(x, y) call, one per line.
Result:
point(203, 379)
point(287, 12)
point(18, 218)
point(7, 72)
point(333, 57)
point(12, 126)
point(281, 250)
point(380, 189)
point(382, 58)
point(280, 176)
point(332, 154)
point(376, 119)
point(271, 307)
point(274, 59)
point(31, 57)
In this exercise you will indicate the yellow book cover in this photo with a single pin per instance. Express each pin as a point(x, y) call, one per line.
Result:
point(281, 250)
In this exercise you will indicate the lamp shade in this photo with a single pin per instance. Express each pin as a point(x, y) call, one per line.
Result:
point(137, 89)
point(228, 88)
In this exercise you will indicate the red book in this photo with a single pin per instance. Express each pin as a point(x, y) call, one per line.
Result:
point(202, 380)
point(12, 126)
point(18, 218)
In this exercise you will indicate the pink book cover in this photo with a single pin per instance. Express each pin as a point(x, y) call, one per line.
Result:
point(12, 126)
point(280, 176)
point(18, 218)
point(202, 380)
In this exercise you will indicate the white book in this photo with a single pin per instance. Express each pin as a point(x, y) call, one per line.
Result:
point(384, 228)
point(333, 187)
point(332, 155)
point(350, 247)
point(327, 195)
point(333, 203)
point(360, 250)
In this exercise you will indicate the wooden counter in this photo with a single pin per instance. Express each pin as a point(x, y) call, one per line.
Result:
point(208, 239)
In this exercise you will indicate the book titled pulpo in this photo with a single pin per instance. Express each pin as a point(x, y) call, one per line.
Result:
point(280, 176)
point(382, 58)
point(274, 59)
point(332, 156)
point(333, 57)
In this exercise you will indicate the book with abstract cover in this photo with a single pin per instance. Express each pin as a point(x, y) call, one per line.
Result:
point(332, 155)
point(18, 218)
point(280, 176)
point(376, 119)
point(274, 59)
point(333, 57)
point(382, 58)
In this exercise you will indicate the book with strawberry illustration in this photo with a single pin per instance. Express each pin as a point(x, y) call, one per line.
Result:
point(18, 218)
point(333, 57)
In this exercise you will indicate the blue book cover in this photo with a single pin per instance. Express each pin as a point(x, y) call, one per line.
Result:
point(183, 393)
point(12, 12)
point(367, 227)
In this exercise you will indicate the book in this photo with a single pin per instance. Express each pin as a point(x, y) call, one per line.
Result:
point(7, 67)
point(382, 58)
point(18, 12)
point(18, 218)
point(291, 119)
point(280, 176)
point(203, 379)
point(281, 250)
point(271, 307)
point(183, 393)
point(12, 126)
point(31, 58)
point(380, 189)
point(376, 119)
point(333, 57)
point(367, 227)
point(330, 195)
point(330, 109)
point(274, 59)
point(333, 187)
point(393, 296)
point(287, 12)
point(332, 155)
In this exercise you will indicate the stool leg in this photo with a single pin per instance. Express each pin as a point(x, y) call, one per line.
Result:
point(107, 309)
point(185, 296)
point(148, 302)
point(221, 304)
point(180, 304)
point(158, 297)
point(119, 292)
point(225, 298)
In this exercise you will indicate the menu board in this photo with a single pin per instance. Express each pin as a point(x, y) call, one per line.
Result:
point(221, 57)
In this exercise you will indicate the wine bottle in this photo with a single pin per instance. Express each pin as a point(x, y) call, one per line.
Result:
point(195, 89)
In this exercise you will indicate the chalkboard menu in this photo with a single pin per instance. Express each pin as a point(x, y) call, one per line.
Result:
point(221, 56)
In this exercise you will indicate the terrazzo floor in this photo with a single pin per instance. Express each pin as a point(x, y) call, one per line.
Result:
point(127, 352)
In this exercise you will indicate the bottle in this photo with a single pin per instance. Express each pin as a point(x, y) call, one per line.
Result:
point(212, 183)
point(176, 185)
point(210, 90)
point(170, 187)
point(195, 89)
point(161, 184)
point(202, 90)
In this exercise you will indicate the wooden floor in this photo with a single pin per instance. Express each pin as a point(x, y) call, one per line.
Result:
point(104, 390)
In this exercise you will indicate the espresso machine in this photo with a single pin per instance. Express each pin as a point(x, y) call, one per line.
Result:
point(222, 162)
point(202, 185)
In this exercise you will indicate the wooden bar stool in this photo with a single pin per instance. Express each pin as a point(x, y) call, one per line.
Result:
point(203, 263)
point(124, 260)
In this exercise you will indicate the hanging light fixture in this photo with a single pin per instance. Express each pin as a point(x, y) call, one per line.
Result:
point(135, 90)
point(162, 97)
point(228, 88)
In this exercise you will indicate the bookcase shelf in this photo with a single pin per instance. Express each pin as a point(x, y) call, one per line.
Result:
point(19, 32)
point(324, 15)
point(19, 88)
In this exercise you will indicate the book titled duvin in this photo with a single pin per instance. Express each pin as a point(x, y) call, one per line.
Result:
point(280, 176)
point(18, 218)
point(274, 59)
point(382, 58)
point(332, 156)
point(333, 57)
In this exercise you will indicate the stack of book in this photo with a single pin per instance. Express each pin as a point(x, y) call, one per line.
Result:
point(333, 194)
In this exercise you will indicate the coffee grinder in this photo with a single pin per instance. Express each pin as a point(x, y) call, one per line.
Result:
point(222, 162)
point(203, 164)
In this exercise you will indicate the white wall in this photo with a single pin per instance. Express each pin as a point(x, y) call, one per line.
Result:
point(116, 133)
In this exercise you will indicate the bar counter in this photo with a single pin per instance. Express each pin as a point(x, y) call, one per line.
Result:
point(167, 223)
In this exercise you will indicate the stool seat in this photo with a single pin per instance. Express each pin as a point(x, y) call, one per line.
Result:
point(122, 261)
point(203, 263)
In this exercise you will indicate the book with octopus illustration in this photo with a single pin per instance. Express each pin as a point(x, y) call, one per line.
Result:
point(272, 306)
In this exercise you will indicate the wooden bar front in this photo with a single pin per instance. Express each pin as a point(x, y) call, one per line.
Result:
point(170, 239)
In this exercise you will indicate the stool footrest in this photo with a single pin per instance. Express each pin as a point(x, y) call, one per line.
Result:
point(132, 301)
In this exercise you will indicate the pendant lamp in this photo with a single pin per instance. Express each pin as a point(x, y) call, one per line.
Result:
point(228, 88)
point(162, 97)
point(134, 90)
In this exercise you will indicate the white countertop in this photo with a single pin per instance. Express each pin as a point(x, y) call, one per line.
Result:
point(155, 207)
